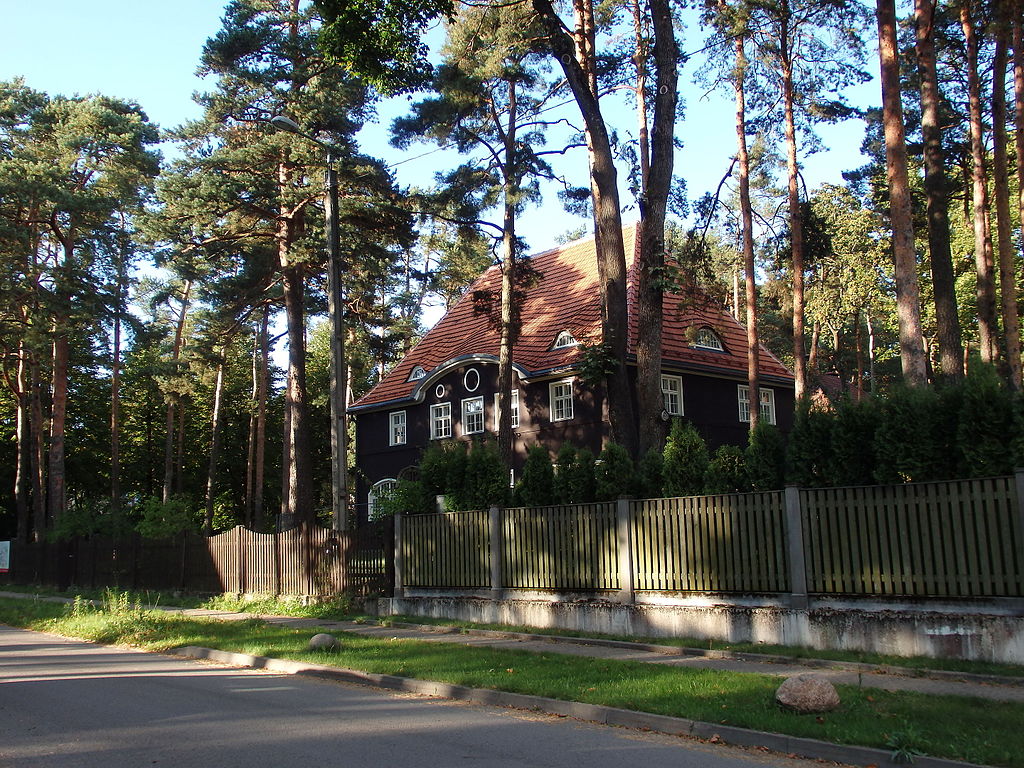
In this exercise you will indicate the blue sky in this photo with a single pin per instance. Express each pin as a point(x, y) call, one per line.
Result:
point(148, 52)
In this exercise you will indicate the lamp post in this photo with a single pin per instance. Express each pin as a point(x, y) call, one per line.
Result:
point(335, 309)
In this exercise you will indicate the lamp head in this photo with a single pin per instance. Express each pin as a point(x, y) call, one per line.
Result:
point(282, 123)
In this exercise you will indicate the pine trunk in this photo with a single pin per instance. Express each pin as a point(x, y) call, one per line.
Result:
point(653, 208)
point(1001, 179)
point(211, 471)
point(172, 397)
point(908, 306)
point(22, 471)
point(937, 193)
point(796, 229)
point(576, 57)
point(988, 329)
point(747, 231)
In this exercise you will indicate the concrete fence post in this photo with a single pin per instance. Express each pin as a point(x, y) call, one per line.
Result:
point(624, 534)
point(494, 527)
point(399, 560)
point(795, 542)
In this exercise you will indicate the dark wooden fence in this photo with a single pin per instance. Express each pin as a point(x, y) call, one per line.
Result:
point(303, 561)
point(957, 539)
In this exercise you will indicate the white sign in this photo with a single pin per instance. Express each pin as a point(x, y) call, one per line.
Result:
point(5, 556)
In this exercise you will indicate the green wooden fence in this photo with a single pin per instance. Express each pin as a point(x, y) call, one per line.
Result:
point(732, 543)
point(951, 539)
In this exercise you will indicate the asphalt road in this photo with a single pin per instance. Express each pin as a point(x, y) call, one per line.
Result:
point(68, 704)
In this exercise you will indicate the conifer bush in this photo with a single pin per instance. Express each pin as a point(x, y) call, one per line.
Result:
point(563, 473)
point(536, 487)
point(685, 460)
point(486, 481)
point(727, 471)
point(766, 457)
point(853, 442)
point(986, 425)
point(580, 484)
point(614, 474)
point(650, 475)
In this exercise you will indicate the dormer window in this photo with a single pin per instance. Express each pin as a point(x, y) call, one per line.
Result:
point(707, 339)
point(417, 373)
point(563, 340)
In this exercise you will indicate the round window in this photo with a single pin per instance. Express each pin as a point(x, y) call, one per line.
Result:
point(439, 391)
point(471, 381)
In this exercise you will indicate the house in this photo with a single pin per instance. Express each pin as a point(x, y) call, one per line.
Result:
point(446, 387)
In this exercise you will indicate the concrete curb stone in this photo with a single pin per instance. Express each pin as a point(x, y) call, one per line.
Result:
point(676, 726)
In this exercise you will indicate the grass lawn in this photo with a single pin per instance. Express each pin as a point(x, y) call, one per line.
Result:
point(975, 730)
point(341, 610)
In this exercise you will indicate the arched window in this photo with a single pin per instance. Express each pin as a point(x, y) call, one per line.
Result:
point(708, 339)
point(417, 373)
point(381, 491)
point(564, 339)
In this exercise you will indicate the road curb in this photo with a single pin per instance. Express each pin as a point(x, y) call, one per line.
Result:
point(675, 726)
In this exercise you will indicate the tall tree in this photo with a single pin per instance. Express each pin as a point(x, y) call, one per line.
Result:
point(988, 329)
point(915, 371)
point(937, 191)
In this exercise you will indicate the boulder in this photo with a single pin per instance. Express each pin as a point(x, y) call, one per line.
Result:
point(324, 642)
point(807, 693)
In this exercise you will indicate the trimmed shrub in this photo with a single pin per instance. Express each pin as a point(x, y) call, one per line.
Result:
point(686, 459)
point(853, 443)
point(986, 427)
point(650, 475)
point(727, 471)
point(614, 475)
point(563, 473)
point(912, 442)
point(486, 480)
point(809, 452)
point(581, 483)
point(443, 472)
point(766, 458)
point(536, 487)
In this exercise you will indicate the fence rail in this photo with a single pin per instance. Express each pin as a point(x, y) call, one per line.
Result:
point(962, 538)
point(302, 561)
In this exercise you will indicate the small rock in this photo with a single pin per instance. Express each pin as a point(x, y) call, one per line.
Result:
point(807, 693)
point(324, 642)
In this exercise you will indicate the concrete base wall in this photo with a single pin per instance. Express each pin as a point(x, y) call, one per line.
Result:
point(982, 631)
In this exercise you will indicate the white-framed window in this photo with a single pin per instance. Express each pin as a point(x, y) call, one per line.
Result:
point(417, 373)
point(767, 397)
point(564, 339)
point(440, 421)
point(396, 428)
point(381, 490)
point(708, 339)
point(472, 415)
point(471, 381)
point(515, 409)
point(672, 395)
point(560, 394)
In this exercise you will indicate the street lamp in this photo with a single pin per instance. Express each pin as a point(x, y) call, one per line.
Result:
point(335, 309)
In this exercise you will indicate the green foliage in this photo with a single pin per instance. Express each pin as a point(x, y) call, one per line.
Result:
point(852, 442)
point(381, 41)
point(766, 457)
point(443, 472)
point(158, 520)
point(408, 498)
point(88, 517)
point(563, 473)
point(913, 439)
point(614, 474)
point(536, 486)
point(727, 471)
point(809, 451)
point(651, 474)
point(580, 483)
point(986, 421)
point(486, 480)
point(686, 459)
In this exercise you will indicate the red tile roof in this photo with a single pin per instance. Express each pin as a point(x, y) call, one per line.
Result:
point(567, 298)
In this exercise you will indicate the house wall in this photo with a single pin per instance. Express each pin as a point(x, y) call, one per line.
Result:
point(710, 402)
